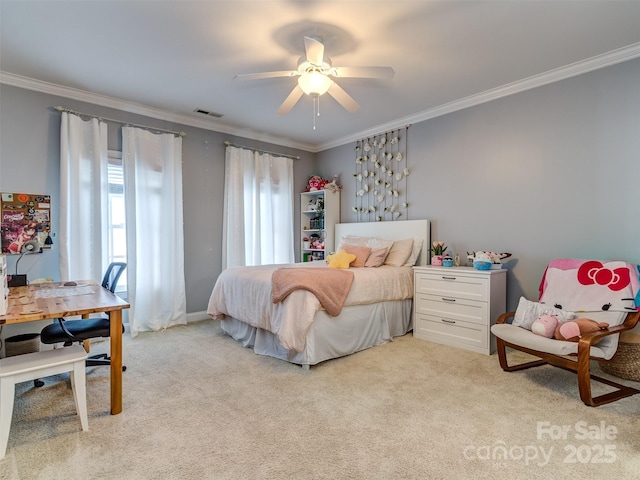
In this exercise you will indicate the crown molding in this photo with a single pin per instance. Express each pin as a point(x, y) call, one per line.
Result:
point(147, 111)
point(578, 68)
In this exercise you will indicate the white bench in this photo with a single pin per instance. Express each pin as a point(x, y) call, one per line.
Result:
point(22, 368)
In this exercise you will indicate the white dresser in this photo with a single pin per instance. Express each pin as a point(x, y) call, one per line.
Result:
point(457, 305)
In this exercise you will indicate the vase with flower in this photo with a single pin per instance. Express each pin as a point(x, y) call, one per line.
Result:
point(437, 250)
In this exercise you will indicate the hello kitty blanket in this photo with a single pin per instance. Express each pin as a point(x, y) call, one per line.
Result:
point(591, 285)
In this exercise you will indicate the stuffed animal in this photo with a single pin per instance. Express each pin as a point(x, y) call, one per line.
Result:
point(333, 186)
point(315, 183)
point(482, 257)
point(572, 330)
point(545, 325)
point(487, 256)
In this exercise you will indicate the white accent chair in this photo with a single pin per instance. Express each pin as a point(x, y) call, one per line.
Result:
point(22, 368)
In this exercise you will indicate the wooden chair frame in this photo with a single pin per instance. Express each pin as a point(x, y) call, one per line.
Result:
point(581, 366)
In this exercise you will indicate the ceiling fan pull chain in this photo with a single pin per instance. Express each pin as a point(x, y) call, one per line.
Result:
point(316, 109)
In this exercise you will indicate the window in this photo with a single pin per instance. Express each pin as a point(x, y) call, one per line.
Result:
point(117, 238)
point(258, 216)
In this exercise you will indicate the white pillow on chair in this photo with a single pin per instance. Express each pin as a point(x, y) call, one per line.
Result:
point(528, 311)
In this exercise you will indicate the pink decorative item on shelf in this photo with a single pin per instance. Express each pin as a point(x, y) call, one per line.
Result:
point(437, 249)
point(316, 183)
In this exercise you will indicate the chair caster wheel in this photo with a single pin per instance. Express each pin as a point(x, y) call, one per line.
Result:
point(38, 383)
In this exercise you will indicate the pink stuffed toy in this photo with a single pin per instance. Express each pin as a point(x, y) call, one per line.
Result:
point(572, 330)
point(545, 325)
point(315, 183)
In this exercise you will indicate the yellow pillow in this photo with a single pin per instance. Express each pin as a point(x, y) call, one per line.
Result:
point(342, 259)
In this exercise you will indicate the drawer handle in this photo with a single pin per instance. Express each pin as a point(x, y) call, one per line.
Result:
point(448, 321)
point(448, 278)
point(448, 299)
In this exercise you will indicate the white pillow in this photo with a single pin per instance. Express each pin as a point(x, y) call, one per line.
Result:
point(413, 258)
point(528, 311)
point(372, 242)
point(351, 240)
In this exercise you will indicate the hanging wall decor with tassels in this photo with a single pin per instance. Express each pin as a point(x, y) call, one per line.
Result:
point(381, 177)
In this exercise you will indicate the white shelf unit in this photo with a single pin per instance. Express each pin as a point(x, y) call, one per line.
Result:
point(321, 224)
point(457, 305)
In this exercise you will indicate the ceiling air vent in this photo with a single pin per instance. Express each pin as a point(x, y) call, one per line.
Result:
point(208, 113)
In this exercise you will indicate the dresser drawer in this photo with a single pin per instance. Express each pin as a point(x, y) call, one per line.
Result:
point(452, 332)
point(453, 308)
point(453, 285)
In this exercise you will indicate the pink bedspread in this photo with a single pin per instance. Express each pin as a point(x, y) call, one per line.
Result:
point(329, 285)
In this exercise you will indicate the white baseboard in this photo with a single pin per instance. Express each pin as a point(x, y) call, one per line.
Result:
point(197, 316)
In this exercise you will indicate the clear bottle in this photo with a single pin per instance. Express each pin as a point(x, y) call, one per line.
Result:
point(456, 260)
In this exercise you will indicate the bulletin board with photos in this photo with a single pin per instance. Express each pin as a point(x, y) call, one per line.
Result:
point(26, 217)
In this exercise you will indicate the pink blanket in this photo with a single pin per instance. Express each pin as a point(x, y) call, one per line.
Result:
point(330, 286)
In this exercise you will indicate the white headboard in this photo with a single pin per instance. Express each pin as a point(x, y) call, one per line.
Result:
point(394, 230)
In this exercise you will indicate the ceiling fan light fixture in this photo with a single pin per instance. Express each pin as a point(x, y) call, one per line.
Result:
point(316, 77)
point(314, 83)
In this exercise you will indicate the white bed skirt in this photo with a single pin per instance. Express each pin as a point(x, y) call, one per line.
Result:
point(356, 328)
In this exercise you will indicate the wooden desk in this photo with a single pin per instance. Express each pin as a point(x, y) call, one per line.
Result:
point(52, 300)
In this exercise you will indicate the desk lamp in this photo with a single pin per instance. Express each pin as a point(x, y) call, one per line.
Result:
point(32, 246)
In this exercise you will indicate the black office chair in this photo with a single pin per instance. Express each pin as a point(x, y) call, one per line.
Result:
point(69, 331)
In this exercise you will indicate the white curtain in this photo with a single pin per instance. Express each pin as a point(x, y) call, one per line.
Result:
point(154, 218)
point(83, 198)
point(258, 209)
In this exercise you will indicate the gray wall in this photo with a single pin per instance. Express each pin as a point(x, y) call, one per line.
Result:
point(29, 162)
point(551, 172)
point(548, 173)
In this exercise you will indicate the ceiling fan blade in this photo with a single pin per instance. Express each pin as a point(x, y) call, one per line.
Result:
point(315, 50)
point(291, 100)
point(362, 72)
point(343, 98)
point(259, 76)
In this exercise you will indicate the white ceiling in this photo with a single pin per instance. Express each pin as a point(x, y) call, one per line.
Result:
point(167, 58)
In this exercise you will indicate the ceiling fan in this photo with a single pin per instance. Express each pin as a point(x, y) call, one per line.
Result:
point(315, 77)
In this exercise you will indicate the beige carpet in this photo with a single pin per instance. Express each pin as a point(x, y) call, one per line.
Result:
point(199, 406)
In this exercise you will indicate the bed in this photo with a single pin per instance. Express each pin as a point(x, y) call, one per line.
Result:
point(298, 329)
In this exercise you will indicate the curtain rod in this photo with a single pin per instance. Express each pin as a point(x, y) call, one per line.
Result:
point(129, 124)
point(231, 144)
